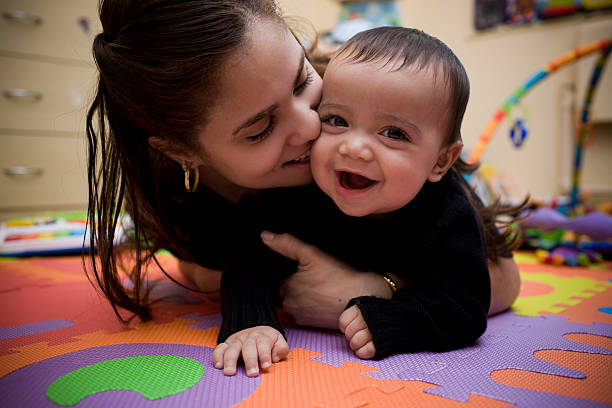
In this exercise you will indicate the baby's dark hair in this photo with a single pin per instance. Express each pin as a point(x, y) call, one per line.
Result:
point(401, 47)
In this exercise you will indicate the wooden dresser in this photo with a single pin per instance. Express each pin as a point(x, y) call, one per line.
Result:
point(47, 77)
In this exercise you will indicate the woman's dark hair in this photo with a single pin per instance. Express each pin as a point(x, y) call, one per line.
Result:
point(407, 47)
point(158, 62)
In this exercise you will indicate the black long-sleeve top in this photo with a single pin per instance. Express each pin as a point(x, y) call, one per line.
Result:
point(435, 242)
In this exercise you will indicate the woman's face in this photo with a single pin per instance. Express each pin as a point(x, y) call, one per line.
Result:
point(261, 129)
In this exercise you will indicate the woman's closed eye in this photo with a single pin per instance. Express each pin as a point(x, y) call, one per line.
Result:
point(307, 81)
point(264, 133)
point(334, 120)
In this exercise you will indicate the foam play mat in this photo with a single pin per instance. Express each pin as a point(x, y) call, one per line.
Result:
point(61, 345)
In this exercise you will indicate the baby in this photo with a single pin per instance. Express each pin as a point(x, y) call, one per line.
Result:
point(394, 200)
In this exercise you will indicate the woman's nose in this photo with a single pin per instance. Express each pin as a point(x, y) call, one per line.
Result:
point(356, 147)
point(305, 126)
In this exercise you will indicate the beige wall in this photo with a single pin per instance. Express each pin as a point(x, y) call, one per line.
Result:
point(498, 62)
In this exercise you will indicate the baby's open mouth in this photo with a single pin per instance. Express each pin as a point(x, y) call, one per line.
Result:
point(352, 181)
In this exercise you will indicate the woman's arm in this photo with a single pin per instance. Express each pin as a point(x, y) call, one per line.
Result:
point(318, 293)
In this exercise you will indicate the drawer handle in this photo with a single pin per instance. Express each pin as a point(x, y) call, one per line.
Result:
point(22, 171)
point(21, 16)
point(22, 94)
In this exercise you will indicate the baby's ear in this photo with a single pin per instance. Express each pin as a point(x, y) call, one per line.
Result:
point(446, 158)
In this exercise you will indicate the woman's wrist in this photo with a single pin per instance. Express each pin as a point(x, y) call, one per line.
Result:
point(390, 281)
point(376, 285)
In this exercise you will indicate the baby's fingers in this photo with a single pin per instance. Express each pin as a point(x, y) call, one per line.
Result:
point(280, 349)
point(230, 358)
point(264, 351)
point(218, 354)
point(359, 339)
point(367, 351)
point(251, 354)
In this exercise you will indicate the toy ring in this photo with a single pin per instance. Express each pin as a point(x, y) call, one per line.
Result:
point(518, 132)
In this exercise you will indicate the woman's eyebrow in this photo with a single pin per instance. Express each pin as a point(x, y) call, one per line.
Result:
point(259, 115)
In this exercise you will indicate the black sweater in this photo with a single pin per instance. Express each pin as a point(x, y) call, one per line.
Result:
point(435, 241)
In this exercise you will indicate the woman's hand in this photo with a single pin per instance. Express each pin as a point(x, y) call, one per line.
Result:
point(356, 331)
point(258, 346)
point(318, 292)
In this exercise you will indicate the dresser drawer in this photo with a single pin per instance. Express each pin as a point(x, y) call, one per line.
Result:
point(42, 171)
point(44, 96)
point(53, 28)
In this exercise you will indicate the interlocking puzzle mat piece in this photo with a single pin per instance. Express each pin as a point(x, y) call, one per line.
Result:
point(508, 343)
point(33, 328)
point(589, 310)
point(599, 272)
point(176, 332)
point(29, 386)
point(563, 292)
point(300, 382)
point(594, 387)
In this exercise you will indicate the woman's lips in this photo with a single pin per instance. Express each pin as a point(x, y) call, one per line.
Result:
point(305, 158)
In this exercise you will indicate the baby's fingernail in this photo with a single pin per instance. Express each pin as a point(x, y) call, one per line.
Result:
point(252, 371)
point(266, 364)
point(267, 235)
point(218, 364)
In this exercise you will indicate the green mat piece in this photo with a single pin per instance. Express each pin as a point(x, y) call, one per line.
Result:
point(153, 377)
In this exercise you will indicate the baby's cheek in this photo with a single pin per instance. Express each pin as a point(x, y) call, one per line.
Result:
point(320, 162)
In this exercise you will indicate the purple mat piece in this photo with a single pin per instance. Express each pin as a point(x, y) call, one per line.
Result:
point(26, 387)
point(203, 321)
point(33, 328)
point(509, 342)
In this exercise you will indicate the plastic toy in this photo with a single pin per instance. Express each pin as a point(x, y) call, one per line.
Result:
point(47, 235)
point(603, 46)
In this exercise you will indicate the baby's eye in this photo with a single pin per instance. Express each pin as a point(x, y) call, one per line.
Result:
point(334, 120)
point(395, 134)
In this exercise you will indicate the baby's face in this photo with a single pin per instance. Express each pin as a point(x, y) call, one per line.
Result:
point(382, 132)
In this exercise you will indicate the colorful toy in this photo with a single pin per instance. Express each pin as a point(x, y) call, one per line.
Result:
point(603, 46)
point(568, 256)
point(585, 125)
point(573, 241)
point(47, 235)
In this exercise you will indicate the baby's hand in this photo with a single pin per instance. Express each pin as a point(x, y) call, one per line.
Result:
point(260, 345)
point(356, 331)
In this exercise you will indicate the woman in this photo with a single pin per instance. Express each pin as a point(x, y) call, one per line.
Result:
point(198, 103)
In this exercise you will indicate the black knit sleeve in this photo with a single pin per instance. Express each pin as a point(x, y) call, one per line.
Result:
point(247, 303)
point(446, 308)
point(250, 285)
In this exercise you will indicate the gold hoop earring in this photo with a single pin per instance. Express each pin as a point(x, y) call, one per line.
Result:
point(187, 169)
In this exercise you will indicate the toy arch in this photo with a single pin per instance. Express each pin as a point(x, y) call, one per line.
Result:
point(603, 46)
